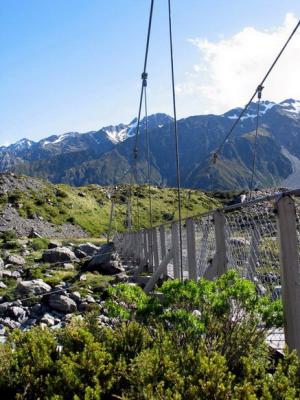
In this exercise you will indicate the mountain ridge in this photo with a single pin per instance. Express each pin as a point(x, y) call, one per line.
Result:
point(104, 156)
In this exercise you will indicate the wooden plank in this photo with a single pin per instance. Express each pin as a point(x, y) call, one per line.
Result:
point(191, 249)
point(290, 274)
point(155, 277)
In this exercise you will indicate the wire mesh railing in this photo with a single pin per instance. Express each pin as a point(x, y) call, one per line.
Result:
point(251, 244)
point(260, 239)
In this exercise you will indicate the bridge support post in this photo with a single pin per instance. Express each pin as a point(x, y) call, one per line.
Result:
point(163, 251)
point(191, 249)
point(220, 260)
point(290, 274)
point(175, 249)
point(155, 248)
point(150, 248)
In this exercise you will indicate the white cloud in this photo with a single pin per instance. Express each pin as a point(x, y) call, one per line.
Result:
point(230, 69)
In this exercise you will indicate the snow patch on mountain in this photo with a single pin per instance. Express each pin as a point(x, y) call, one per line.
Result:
point(264, 107)
point(116, 135)
point(291, 106)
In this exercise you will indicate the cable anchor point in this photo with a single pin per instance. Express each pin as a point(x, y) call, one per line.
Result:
point(144, 78)
point(259, 91)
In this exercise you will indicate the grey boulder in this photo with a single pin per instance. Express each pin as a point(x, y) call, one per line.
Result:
point(62, 303)
point(89, 249)
point(106, 261)
point(58, 254)
point(15, 260)
point(34, 287)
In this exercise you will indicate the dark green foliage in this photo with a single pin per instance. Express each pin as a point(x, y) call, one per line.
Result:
point(157, 349)
point(15, 196)
point(8, 236)
point(39, 243)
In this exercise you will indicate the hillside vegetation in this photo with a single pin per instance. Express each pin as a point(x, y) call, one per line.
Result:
point(89, 206)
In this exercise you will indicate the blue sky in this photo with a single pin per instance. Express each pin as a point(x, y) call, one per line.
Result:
point(74, 65)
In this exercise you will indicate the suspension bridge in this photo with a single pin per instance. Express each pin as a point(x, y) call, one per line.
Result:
point(260, 238)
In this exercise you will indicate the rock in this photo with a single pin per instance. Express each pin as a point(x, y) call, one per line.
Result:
point(276, 292)
point(142, 280)
point(89, 249)
point(62, 303)
point(47, 319)
point(2, 285)
point(87, 307)
point(6, 273)
point(36, 310)
point(68, 266)
point(16, 274)
point(17, 313)
point(53, 244)
point(121, 277)
point(76, 296)
point(90, 299)
point(2, 330)
point(34, 287)
point(197, 313)
point(15, 260)
point(34, 234)
point(4, 308)
point(1, 263)
point(59, 254)
point(106, 261)
point(79, 253)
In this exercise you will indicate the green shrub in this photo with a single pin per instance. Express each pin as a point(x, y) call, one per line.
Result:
point(39, 243)
point(157, 349)
point(7, 236)
point(15, 196)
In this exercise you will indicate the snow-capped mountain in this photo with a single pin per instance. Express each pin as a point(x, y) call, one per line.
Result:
point(102, 156)
point(289, 106)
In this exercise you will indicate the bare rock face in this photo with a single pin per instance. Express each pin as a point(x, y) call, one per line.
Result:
point(106, 261)
point(59, 254)
point(34, 287)
point(59, 302)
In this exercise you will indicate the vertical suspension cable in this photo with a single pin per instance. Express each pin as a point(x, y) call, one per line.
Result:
point(148, 158)
point(259, 91)
point(176, 138)
point(144, 84)
point(144, 78)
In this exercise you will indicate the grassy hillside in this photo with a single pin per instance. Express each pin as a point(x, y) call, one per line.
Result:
point(89, 206)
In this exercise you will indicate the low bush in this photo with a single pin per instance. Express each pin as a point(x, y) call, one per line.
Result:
point(39, 243)
point(202, 340)
point(8, 236)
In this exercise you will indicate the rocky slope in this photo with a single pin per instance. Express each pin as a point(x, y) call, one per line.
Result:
point(33, 207)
